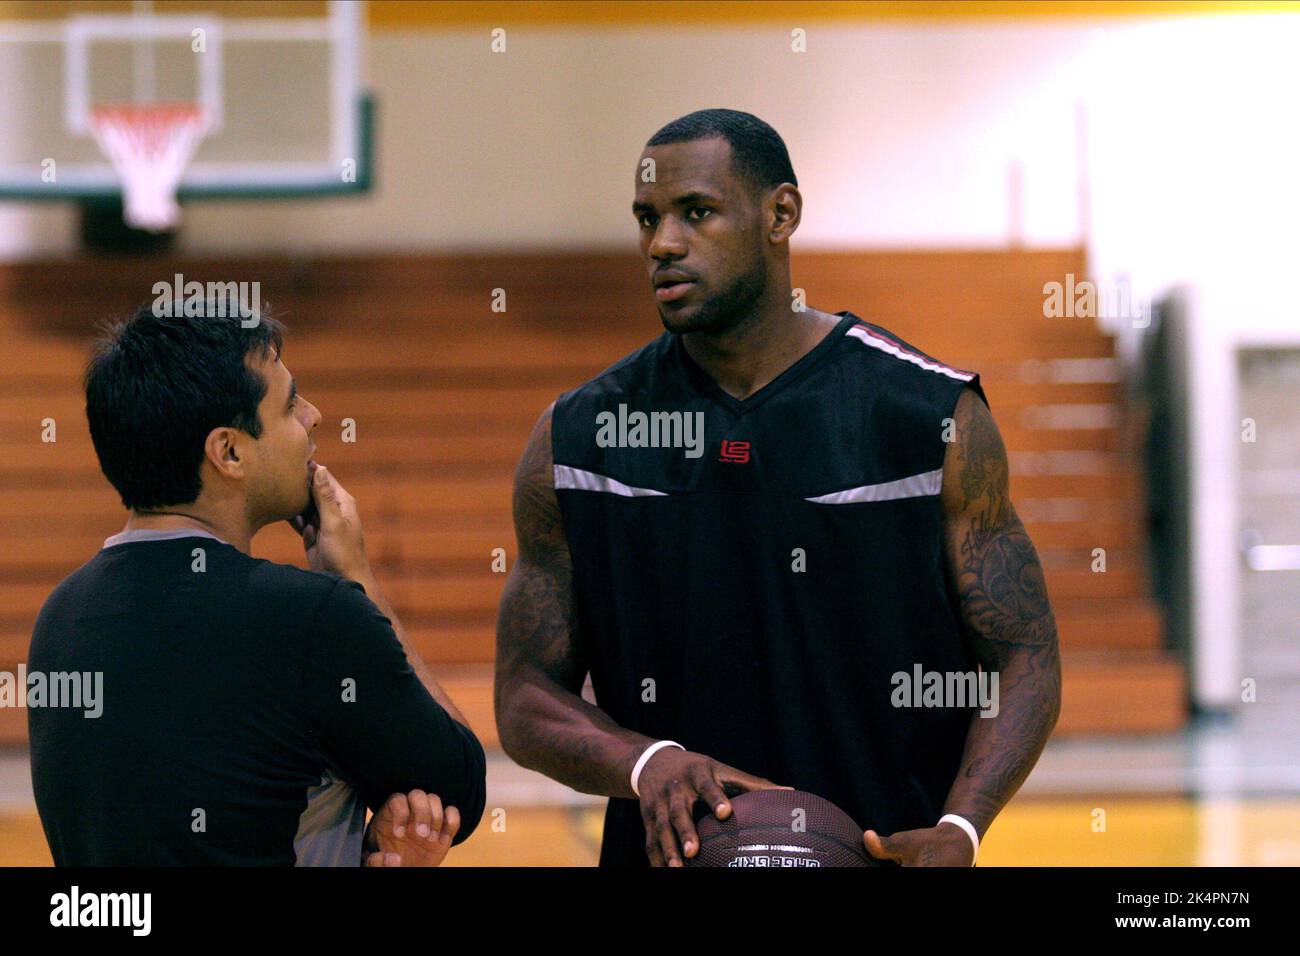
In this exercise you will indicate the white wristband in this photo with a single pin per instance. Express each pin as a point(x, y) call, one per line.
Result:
point(645, 757)
point(965, 825)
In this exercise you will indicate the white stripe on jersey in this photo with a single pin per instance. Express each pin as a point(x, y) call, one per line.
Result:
point(579, 480)
point(892, 348)
point(913, 486)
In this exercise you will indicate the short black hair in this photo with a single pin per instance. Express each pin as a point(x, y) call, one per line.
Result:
point(758, 152)
point(157, 385)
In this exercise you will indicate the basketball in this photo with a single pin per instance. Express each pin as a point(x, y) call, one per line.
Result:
point(781, 828)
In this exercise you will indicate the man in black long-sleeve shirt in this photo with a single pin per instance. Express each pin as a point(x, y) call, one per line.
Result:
point(249, 711)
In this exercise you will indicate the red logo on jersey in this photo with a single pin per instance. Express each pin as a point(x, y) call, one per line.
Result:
point(735, 451)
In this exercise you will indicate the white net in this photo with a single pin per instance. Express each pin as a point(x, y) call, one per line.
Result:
point(149, 146)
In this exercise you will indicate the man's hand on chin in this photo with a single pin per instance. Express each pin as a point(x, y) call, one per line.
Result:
point(410, 829)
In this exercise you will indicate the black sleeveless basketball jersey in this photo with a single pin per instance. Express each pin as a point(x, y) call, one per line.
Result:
point(752, 596)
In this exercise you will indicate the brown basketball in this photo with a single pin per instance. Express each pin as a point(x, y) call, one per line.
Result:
point(780, 828)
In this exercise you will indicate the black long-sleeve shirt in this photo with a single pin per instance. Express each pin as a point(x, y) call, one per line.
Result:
point(246, 711)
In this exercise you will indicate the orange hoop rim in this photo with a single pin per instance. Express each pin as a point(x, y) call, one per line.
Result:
point(146, 112)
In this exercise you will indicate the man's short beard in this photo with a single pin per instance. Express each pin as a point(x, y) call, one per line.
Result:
point(725, 311)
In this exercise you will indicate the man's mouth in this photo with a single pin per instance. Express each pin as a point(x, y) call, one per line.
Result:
point(670, 292)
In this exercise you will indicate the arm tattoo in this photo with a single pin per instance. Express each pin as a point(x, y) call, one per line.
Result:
point(542, 617)
point(1006, 615)
point(540, 662)
point(1000, 582)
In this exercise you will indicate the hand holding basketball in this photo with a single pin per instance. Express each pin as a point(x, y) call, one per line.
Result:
point(931, 846)
point(671, 783)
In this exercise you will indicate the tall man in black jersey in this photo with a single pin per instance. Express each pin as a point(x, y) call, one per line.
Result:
point(752, 533)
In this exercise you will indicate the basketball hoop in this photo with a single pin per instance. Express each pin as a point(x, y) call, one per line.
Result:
point(149, 146)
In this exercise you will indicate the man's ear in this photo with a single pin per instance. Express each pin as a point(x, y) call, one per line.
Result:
point(786, 212)
point(225, 451)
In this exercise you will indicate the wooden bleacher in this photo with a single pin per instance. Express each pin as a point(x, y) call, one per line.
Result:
point(444, 392)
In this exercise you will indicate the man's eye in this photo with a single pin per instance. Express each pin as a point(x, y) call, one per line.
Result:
point(641, 220)
point(702, 209)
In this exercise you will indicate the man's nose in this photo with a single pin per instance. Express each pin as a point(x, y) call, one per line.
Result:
point(667, 242)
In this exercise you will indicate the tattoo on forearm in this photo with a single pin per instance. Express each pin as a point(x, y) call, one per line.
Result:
point(1005, 609)
point(541, 662)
